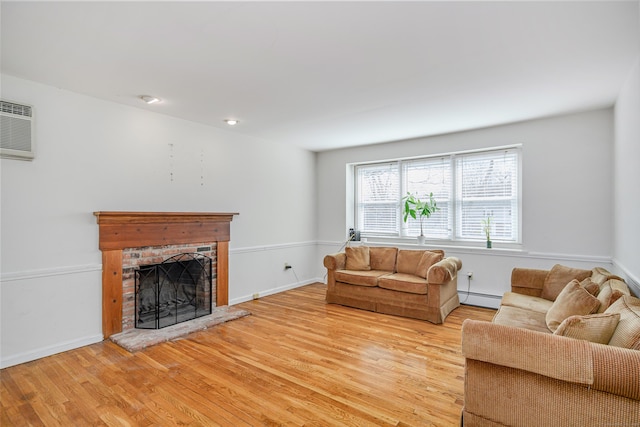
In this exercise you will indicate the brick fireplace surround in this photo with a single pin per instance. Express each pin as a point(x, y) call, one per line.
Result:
point(128, 239)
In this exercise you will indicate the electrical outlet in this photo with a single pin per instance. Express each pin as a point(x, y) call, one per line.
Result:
point(287, 266)
point(470, 274)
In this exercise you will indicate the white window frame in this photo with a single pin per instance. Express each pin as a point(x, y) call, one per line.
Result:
point(453, 234)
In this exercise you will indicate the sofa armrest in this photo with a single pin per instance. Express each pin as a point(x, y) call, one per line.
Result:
point(528, 281)
point(335, 261)
point(544, 354)
point(444, 271)
point(601, 367)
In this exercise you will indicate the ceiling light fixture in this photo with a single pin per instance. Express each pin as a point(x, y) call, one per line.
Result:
point(231, 122)
point(149, 99)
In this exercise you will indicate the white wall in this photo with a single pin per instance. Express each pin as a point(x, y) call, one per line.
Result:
point(94, 155)
point(567, 195)
point(627, 178)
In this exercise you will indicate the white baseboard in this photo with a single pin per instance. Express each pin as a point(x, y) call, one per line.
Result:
point(479, 300)
point(272, 291)
point(49, 351)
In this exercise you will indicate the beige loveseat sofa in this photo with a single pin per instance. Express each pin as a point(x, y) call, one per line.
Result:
point(555, 355)
point(411, 283)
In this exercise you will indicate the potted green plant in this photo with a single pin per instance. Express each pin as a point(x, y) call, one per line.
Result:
point(419, 209)
point(486, 226)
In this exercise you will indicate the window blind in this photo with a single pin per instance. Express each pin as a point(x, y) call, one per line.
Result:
point(487, 187)
point(378, 193)
point(422, 177)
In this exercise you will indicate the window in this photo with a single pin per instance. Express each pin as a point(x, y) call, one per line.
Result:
point(487, 186)
point(378, 196)
point(468, 187)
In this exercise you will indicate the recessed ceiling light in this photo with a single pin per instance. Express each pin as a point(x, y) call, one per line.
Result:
point(231, 122)
point(149, 99)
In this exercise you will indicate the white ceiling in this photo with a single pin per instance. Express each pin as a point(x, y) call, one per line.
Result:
point(324, 75)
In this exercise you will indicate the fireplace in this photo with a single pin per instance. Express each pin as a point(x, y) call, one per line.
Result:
point(174, 291)
point(129, 240)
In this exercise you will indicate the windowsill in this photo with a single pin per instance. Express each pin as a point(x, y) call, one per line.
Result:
point(466, 247)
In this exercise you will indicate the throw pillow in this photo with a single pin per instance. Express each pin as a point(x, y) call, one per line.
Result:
point(610, 291)
point(600, 275)
point(627, 334)
point(426, 261)
point(557, 279)
point(591, 287)
point(596, 328)
point(573, 300)
point(357, 258)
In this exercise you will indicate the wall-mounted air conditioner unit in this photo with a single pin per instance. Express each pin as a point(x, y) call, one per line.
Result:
point(16, 131)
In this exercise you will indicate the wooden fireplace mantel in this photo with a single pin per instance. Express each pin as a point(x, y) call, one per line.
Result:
point(120, 230)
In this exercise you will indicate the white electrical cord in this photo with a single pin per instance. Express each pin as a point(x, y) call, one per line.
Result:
point(347, 242)
point(296, 276)
point(468, 289)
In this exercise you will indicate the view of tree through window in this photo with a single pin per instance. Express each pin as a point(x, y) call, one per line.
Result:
point(422, 177)
point(378, 197)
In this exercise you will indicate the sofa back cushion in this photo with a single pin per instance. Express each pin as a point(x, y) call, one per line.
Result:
point(358, 258)
point(558, 277)
point(627, 333)
point(573, 300)
point(411, 261)
point(383, 258)
point(609, 293)
point(408, 261)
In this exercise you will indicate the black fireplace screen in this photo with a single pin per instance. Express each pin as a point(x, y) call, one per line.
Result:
point(177, 290)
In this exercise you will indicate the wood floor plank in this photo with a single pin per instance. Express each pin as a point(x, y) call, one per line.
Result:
point(295, 361)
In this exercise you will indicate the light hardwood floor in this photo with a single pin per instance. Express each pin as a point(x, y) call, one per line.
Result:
point(295, 361)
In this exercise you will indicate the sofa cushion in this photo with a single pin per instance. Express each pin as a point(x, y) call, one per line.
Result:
point(408, 261)
point(596, 328)
point(358, 258)
point(521, 318)
point(404, 282)
point(592, 287)
point(627, 333)
point(383, 258)
point(558, 277)
point(537, 304)
point(600, 275)
point(360, 278)
point(609, 293)
point(573, 300)
point(427, 259)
